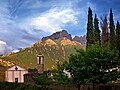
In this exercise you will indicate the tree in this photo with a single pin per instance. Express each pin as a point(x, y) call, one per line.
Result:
point(76, 67)
point(95, 65)
point(118, 37)
point(42, 80)
point(96, 31)
point(112, 31)
point(104, 27)
point(89, 36)
point(59, 76)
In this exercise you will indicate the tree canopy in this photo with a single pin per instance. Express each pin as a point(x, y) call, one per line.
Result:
point(93, 65)
point(89, 36)
point(96, 31)
point(112, 31)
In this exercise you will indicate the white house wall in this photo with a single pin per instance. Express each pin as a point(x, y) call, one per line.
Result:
point(11, 74)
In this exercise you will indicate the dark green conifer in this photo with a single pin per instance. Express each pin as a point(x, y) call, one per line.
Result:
point(118, 37)
point(96, 31)
point(112, 31)
point(89, 36)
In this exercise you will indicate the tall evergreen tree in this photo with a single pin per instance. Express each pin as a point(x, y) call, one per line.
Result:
point(96, 31)
point(89, 36)
point(118, 37)
point(112, 31)
point(104, 27)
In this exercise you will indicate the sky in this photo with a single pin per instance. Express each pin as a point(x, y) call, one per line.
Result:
point(24, 22)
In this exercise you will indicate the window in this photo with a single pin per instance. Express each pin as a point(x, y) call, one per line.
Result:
point(39, 60)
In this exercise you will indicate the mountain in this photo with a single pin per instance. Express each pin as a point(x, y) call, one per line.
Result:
point(55, 48)
point(81, 39)
point(64, 33)
point(58, 35)
point(54, 51)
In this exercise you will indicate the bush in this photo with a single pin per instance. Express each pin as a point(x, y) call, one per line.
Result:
point(42, 80)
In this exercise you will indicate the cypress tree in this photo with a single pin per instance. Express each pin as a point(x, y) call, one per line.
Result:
point(112, 31)
point(89, 36)
point(118, 37)
point(96, 31)
point(104, 27)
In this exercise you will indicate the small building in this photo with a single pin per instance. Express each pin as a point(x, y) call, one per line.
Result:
point(32, 73)
point(15, 74)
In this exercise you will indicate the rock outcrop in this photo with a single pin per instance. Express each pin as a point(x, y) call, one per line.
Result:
point(81, 39)
point(58, 35)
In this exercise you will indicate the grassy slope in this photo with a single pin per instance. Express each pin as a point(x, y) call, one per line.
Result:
point(2, 74)
point(52, 53)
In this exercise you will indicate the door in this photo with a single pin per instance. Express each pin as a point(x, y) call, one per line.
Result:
point(16, 80)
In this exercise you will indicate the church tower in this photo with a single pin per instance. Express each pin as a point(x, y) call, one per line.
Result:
point(40, 64)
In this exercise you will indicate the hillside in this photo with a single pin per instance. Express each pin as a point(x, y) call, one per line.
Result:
point(54, 51)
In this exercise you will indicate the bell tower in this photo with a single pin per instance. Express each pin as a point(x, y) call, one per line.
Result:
point(40, 64)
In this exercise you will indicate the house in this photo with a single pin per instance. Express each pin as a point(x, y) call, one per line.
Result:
point(67, 73)
point(15, 74)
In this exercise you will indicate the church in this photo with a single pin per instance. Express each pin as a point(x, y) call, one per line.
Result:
point(15, 74)
point(18, 74)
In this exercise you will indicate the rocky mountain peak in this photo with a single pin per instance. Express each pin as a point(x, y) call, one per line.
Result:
point(81, 39)
point(58, 35)
point(64, 34)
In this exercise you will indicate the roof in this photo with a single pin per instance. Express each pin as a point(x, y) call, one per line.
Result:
point(16, 67)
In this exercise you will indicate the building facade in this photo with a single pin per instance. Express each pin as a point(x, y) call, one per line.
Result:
point(15, 74)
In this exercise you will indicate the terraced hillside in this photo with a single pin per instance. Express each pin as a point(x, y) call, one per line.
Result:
point(54, 51)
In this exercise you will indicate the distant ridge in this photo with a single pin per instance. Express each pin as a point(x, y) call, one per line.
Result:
point(64, 33)
point(81, 39)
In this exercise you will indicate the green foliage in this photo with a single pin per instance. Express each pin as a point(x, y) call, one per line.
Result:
point(23, 86)
point(93, 65)
point(42, 80)
point(112, 31)
point(60, 77)
point(96, 31)
point(118, 37)
point(89, 36)
point(2, 73)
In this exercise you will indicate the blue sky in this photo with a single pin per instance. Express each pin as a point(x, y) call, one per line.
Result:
point(24, 22)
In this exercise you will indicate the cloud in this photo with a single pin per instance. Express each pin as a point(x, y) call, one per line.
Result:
point(4, 48)
point(25, 22)
point(51, 21)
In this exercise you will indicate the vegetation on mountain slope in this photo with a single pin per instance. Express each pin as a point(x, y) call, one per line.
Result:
point(54, 52)
point(2, 74)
